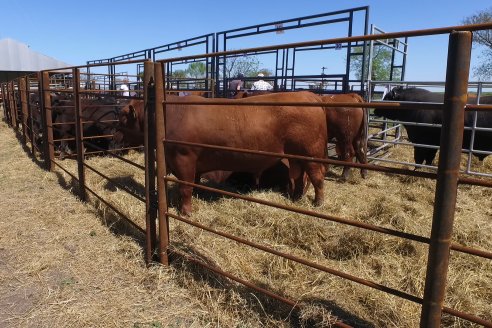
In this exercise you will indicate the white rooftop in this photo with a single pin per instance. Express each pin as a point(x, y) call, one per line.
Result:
point(17, 56)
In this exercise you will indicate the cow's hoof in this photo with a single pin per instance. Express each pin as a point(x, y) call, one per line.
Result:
point(185, 211)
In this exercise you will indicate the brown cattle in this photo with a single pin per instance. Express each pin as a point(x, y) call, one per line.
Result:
point(282, 129)
point(346, 126)
point(100, 115)
point(245, 93)
point(200, 93)
point(349, 127)
point(130, 132)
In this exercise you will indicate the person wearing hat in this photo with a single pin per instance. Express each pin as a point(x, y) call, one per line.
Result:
point(236, 85)
point(261, 85)
point(125, 91)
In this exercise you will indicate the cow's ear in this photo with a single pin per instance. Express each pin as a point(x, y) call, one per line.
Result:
point(133, 112)
point(398, 91)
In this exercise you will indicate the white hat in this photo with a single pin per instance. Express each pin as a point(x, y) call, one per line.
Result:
point(261, 74)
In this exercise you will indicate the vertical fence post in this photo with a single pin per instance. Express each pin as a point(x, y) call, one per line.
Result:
point(17, 104)
point(9, 103)
point(30, 115)
point(13, 107)
point(160, 128)
point(46, 120)
point(149, 143)
point(4, 102)
point(79, 135)
point(455, 97)
point(23, 107)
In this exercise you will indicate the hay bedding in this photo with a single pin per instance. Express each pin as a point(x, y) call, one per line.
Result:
point(60, 267)
point(113, 285)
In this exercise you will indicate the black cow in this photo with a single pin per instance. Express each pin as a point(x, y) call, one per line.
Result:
point(432, 135)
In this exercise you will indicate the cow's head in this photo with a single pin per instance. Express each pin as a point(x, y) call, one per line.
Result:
point(129, 130)
point(394, 94)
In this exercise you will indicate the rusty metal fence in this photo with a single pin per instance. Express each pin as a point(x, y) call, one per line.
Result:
point(447, 178)
point(19, 115)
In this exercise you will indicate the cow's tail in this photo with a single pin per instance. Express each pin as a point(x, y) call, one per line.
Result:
point(365, 133)
point(362, 137)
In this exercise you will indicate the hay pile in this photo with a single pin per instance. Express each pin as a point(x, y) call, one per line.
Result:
point(97, 267)
point(61, 267)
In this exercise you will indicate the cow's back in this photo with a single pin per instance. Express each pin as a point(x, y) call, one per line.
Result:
point(280, 129)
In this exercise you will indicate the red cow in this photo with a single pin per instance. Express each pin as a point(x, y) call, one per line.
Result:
point(282, 129)
point(349, 127)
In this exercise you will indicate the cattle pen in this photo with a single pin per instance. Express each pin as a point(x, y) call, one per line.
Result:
point(152, 89)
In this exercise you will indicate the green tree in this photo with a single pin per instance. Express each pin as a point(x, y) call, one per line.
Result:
point(483, 38)
point(197, 70)
point(265, 72)
point(381, 64)
point(179, 74)
point(247, 65)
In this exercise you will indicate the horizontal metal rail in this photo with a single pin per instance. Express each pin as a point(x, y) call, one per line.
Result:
point(467, 316)
point(478, 108)
point(112, 154)
point(84, 122)
point(103, 200)
point(66, 69)
point(377, 168)
point(390, 35)
point(114, 209)
point(368, 283)
point(98, 137)
point(277, 297)
point(403, 143)
point(252, 102)
point(232, 277)
point(313, 265)
point(117, 184)
point(326, 217)
point(357, 224)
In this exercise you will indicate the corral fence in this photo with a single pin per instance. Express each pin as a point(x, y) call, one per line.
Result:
point(158, 241)
point(447, 177)
point(389, 132)
point(284, 63)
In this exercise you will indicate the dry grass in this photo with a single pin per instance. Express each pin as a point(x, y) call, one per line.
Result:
point(80, 272)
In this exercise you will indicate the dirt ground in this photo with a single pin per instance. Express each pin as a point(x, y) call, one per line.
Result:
point(45, 258)
point(63, 264)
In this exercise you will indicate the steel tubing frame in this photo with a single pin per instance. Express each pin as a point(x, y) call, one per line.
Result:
point(455, 96)
point(448, 172)
point(325, 269)
point(354, 223)
point(447, 176)
point(151, 249)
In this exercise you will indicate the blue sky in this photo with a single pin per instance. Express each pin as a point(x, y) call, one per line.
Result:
point(77, 31)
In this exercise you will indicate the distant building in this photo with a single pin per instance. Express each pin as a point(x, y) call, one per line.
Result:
point(16, 59)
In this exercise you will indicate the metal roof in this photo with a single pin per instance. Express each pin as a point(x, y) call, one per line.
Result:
point(17, 57)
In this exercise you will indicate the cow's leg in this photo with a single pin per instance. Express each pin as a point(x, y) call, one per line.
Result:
point(184, 169)
point(346, 154)
point(296, 187)
point(64, 150)
point(316, 173)
point(419, 154)
point(361, 154)
point(431, 154)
